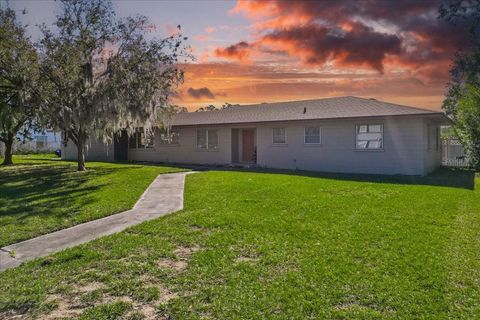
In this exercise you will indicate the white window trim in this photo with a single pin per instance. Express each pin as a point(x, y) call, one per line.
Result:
point(197, 148)
point(370, 124)
point(429, 138)
point(312, 143)
point(162, 145)
point(279, 143)
point(144, 148)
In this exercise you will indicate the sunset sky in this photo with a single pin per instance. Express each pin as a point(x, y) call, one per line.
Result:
point(265, 51)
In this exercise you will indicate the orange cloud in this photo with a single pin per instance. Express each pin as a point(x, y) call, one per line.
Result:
point(255, 9)
point(210, 29)
point(239, 51)
point(324, 33)
point(395, 51)
point(202, 37)
point(256, 83)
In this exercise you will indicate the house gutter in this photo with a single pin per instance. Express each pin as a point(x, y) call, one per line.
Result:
point(441, 115)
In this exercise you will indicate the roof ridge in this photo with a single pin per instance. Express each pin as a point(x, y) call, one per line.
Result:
point(292, 101)
point(263, 104)
point(394, 104)
point(312, 109)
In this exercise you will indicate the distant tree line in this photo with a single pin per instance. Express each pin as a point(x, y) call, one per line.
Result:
point(211, 107)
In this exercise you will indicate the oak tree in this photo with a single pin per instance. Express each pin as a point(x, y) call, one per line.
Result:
point(19, 82)
point(105, 74)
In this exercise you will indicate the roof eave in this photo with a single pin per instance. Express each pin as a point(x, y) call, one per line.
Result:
point(441, 116)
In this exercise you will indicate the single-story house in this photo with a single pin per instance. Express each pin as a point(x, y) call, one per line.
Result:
point(45, 141)
point(344, 134)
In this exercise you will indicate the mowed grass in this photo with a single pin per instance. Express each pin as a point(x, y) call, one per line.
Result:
point(41, 194)
point(275, 246)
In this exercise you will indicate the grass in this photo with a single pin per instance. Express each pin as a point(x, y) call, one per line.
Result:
point(263, 245)
point(41, 194)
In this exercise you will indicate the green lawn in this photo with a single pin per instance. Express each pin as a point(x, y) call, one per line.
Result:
point(264, 245)
point(41, 194)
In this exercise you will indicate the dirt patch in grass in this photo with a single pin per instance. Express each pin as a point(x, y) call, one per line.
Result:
point(245, 259)
point(11, 314)
point(196, 227)
point(65, 308)
point(148, 311)
point(349, 306)
point(177, 265)
point(74, 305)
point(183, 254)
point(92, 286)
point(186, 252)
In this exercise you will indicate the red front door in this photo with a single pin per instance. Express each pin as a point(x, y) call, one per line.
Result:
point(248, 145)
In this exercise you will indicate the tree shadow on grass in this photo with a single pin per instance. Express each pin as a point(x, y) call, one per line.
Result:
point(25, 186)
point(444, 177)
point(44, 197)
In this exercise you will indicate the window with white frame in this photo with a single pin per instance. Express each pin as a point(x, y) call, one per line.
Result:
point(142, 139)
point(369, 137)
point(146, 139)
point(169, 138)
point(437, 138)
point(279, 136)
point(312, 135)
point(207, 139)
point(429, 137)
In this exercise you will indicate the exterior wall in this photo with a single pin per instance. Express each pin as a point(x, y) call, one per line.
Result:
point(96, 151)
point(185, 151)
point(433, 151)
point(48, 140)
point(405, 147)
point(402, 153)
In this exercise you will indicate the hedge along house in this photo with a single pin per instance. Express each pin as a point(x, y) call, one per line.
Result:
point(345, 134)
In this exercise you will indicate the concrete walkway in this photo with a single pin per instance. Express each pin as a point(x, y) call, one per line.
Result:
point(163, 196)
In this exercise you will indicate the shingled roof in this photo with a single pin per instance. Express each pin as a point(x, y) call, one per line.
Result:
point(329, 108)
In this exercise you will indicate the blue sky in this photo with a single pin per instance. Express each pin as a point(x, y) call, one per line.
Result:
point(195, 17)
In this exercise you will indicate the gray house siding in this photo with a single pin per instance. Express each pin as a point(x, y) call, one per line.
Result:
point(432, 150)
point(96, 151)
point(405, 150)
point(186, 151)
point(402, 152)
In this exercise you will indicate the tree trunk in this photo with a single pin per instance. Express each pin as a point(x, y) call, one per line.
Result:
point(8, 150)
point(81, 152)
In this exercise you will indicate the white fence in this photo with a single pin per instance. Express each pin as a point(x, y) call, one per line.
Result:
point(453, 154)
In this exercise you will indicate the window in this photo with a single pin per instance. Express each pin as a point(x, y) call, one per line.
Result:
point(369, 136)
point(435, 135)
point(148, 138)
point(429, 137)
point(312, 135)
point(169, 138)
point(212, 139)
point(207, 139)
point(142, 139)
point(279, 136)
point(132, 141)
